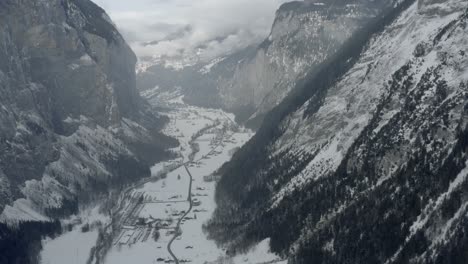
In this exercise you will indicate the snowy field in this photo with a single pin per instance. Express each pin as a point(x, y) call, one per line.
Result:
point(74, 247)
point(149, 214)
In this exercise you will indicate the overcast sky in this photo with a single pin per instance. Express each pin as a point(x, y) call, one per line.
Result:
point(186, 27)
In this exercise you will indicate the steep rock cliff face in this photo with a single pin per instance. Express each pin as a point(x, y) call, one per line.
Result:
point(69, 109)
point(252, 81)
point(304, 34)
point(365, 161)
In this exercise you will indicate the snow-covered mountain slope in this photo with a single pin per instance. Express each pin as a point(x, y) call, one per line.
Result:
point(252, 81)
point(72, 123)
point(365, 161)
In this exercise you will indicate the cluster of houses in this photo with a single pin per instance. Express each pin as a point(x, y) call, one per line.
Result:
point(154, 222)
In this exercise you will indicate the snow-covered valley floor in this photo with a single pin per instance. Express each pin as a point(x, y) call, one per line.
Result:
point(165, 214)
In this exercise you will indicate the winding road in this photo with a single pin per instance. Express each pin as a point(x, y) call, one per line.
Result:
point(224, 128)
point(213, 149)
point(178, 233)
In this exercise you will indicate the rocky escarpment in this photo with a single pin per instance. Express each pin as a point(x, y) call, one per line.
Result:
point(72, 123)
point(304, 34)
point(251, 82)
point(365, 161)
